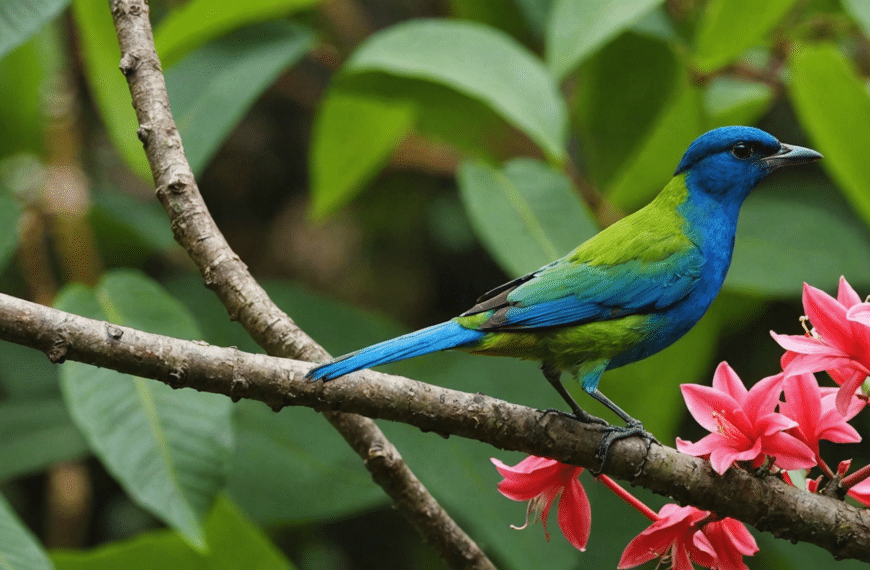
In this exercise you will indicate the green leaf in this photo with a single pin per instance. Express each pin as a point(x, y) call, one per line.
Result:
point(536, 12)
point(577, 29)
point(198, 22)
point(779, 243)
point(26, 373)
point(25, 72)
point(19, 549)
point(527, 214)
point(9, 213)
point(20, 19)
point(718, 43)
point(479, 62)
point(734, 101)
point(353, 138)
point(860, 11)
point(233, 543)
point(212, 88)
point(624, 90)
point(292, 467)
point(505, 16)
point(35, 434)
point(168, 448)
point(102, 55)
point(655, 160)
point(129, 230)
point(834, 107)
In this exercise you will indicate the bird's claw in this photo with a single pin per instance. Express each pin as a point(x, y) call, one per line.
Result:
point(615, 433)
point(579, 415)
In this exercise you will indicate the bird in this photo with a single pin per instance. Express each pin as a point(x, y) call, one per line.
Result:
point(628, 292)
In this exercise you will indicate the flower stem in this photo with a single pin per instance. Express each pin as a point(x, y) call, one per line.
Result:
point(824, 466)
point(628, 498)
point(855, 478)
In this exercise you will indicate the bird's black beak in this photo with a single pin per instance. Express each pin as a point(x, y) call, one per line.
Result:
point(789, 155)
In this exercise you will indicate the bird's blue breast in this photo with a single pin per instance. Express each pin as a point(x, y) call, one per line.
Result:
point(711, 226)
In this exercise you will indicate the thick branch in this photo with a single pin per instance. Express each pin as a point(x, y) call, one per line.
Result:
point(245, 300)
point(766, 503)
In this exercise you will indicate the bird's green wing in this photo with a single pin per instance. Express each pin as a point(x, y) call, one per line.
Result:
point(643, 263)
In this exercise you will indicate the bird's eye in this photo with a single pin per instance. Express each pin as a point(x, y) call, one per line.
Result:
point(743, 150)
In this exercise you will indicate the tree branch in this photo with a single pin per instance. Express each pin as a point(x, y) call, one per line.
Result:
point(767, 503)
point(245, 300)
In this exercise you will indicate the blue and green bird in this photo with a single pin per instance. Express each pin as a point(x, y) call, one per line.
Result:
point(623, 295)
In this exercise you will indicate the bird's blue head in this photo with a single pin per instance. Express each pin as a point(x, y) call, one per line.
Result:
point(728, 162)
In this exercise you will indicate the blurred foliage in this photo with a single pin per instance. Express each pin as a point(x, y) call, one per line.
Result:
point(401, 156)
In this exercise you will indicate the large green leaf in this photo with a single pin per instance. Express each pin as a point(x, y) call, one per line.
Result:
point(233, 543)
point(834, 107)
point(292, 467)
point(730, 26)
point(577, 29)
point(353, 137)
point(624, 90)
point(527, 214)
point(109, 88)
point(479, 62)
point(36, 433)
point(25, 72)
point(20, 19)
point(734, 101)
point(779, 245)
point(212, 88)
point(198, 22)
point(19, 549)
point(168, 448)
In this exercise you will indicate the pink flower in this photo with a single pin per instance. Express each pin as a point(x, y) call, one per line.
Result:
point(743, 423)
point(684, 535)
point(730, 542)
point(540, 481)
point(837, 343)
point(816, 415)
point(861, 492)
point(671, 535)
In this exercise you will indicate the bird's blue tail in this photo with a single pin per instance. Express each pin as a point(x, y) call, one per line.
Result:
point(438, 337)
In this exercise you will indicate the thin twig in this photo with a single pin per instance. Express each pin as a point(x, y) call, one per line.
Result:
point(767, 503)
point(243, 297)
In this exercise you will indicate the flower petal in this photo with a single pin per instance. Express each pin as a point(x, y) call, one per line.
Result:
point(828, 317)
point(860, 314)
point(805, 344)
point(726, 380)
point(790, 452)
point(704, 403)
point(575, 514)
point(803, 402)
point(530, 478)
point(846, 295)
point(763, 397)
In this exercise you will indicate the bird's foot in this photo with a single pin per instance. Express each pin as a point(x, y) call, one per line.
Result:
point(615, 433)
point(579, 415)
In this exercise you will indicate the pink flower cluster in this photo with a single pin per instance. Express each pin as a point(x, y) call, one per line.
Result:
point(681, 534)
point(748, 427)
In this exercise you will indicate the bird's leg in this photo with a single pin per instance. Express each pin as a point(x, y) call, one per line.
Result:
point(553, 374)
point(614, 433)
